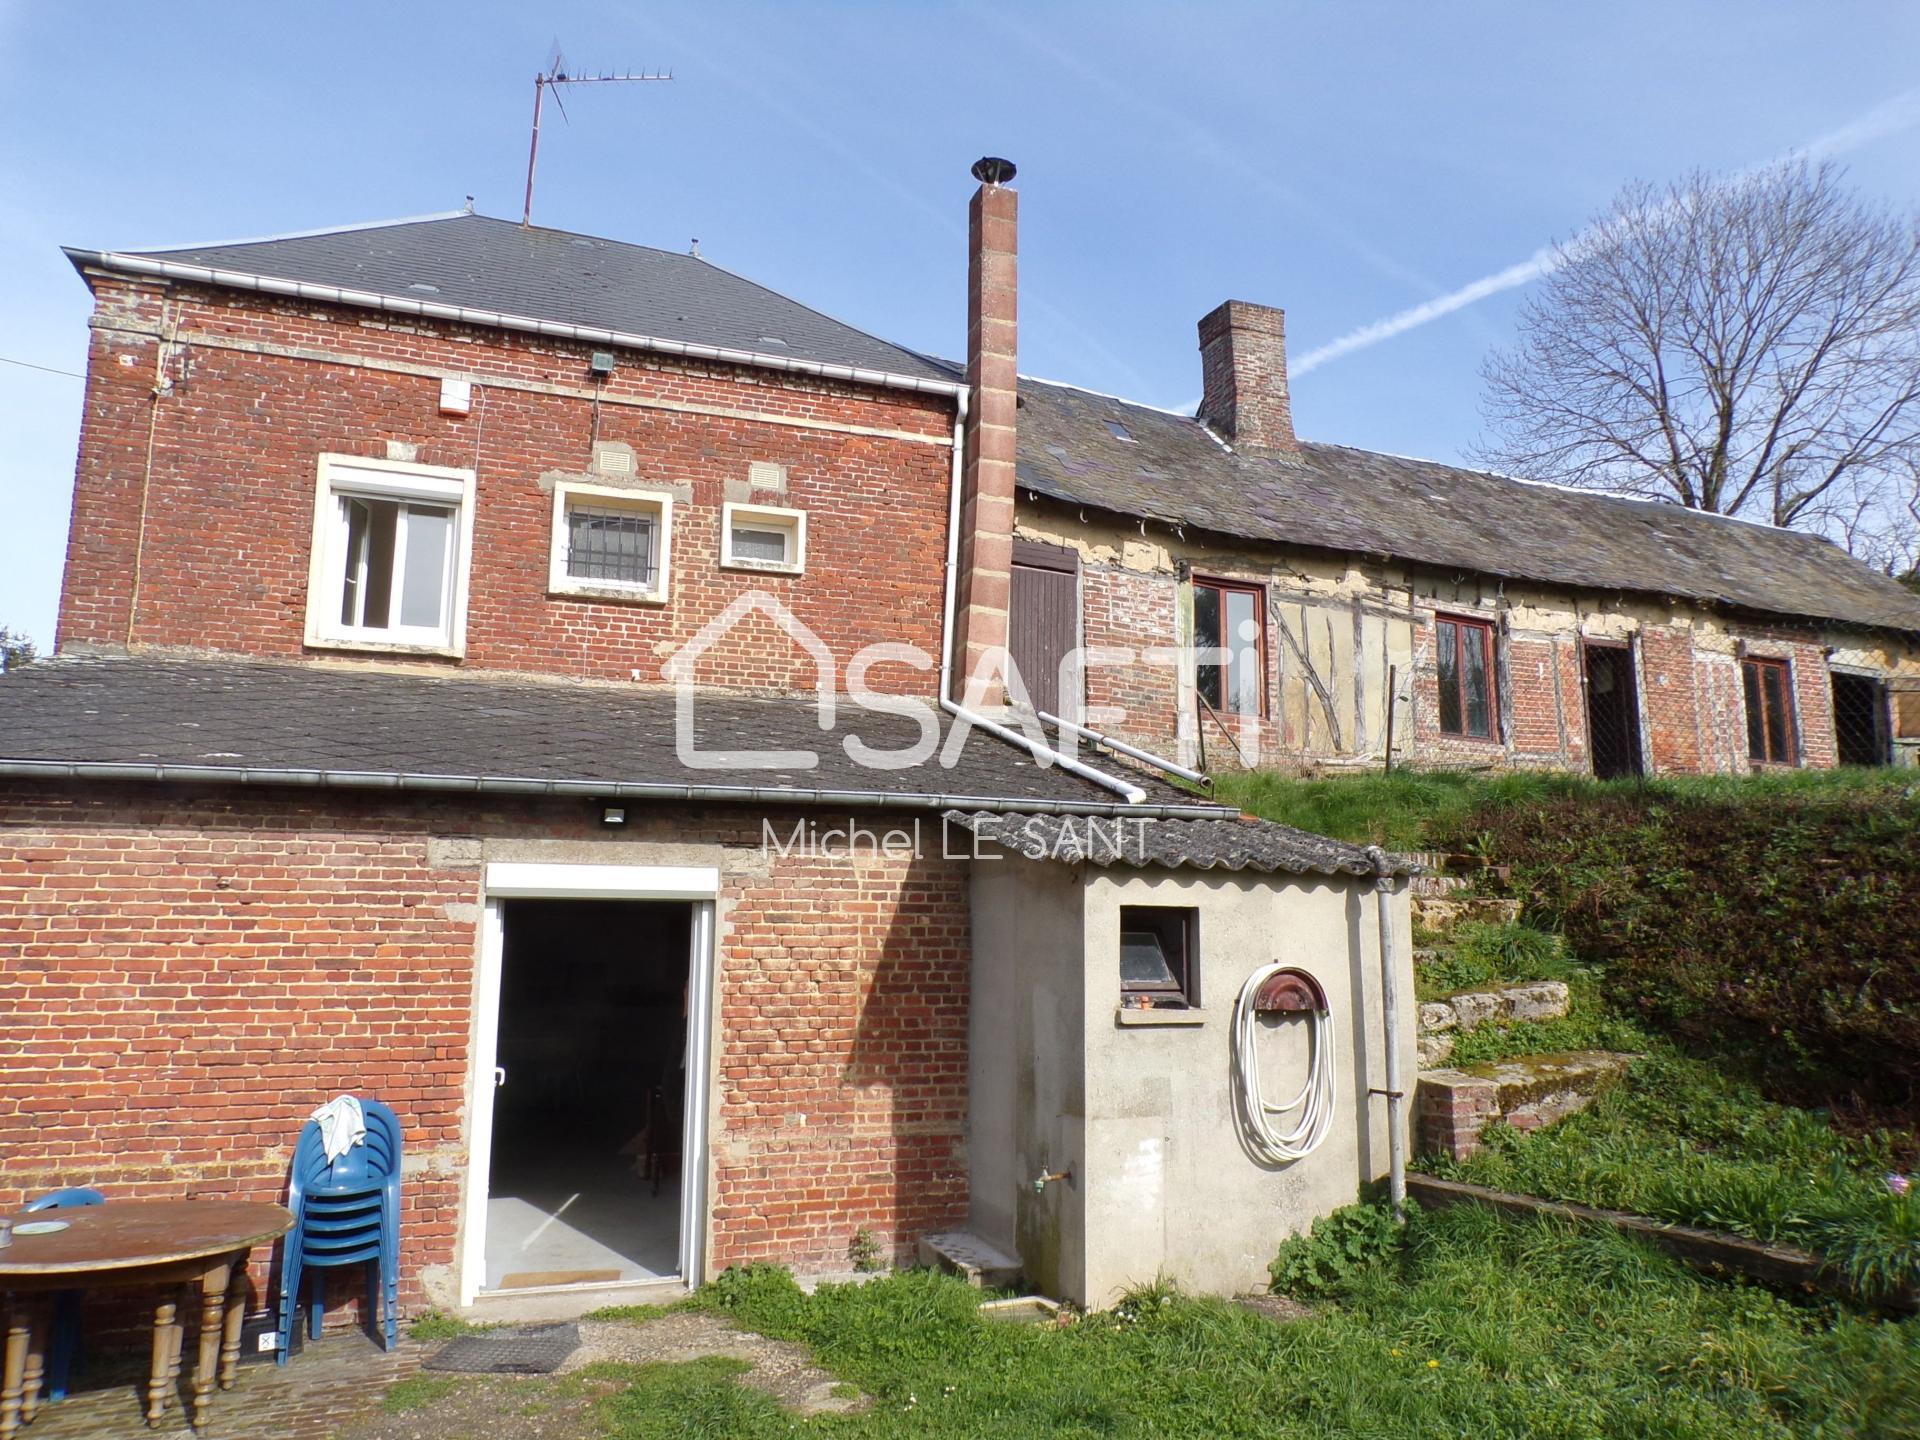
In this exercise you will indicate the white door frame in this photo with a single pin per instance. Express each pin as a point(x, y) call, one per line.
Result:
point(531, 881)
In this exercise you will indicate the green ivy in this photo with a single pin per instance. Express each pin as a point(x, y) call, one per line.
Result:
point(1332, 1257)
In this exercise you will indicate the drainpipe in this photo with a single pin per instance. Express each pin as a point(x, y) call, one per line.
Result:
point(1390, 1022)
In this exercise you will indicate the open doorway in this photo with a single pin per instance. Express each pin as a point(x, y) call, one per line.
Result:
point(1613, 708)
point(589, 1104)
point(1862, 728)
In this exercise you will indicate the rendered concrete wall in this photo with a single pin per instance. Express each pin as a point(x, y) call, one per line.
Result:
point(1026, 1083)
point(1145, 1114)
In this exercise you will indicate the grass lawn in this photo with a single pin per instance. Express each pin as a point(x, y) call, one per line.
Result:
point(1481, 1326)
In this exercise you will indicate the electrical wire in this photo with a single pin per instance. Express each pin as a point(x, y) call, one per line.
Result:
point(1315, 1101)
point(47, 369)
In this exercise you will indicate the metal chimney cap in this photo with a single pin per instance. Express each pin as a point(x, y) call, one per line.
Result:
point(992, 170)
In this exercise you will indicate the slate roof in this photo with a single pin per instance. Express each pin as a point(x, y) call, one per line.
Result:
point(480, 263)
point(234, 721)
point(1336, 498)
point(1218, 844)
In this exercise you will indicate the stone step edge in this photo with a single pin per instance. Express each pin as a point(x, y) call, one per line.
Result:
point(1470, 1009)
point(979, 1262)
point(1711, 1250)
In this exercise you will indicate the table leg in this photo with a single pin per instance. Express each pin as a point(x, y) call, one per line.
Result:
point(160, 1370)
point(213, 1304)
point(236, 1317)
point(39, 1325)
point(13, 1368)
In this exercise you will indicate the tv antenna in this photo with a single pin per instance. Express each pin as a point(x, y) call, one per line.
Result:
point(552, 78)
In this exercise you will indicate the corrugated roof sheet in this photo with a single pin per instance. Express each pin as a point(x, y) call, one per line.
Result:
point(1237, 844)
point(1336, 498)
point(538, 274)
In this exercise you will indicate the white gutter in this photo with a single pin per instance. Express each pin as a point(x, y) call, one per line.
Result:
point(1132, 794)
point(1390, 1022)
point(499, 320)
point(588, 789)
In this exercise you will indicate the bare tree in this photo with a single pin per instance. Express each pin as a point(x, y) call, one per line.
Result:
point(1746, 344)
point(15, 649)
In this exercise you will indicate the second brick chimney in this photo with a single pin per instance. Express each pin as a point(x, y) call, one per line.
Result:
point(986, 506)
point(1243, 368)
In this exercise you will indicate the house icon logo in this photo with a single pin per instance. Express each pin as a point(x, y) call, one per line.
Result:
point(683, 666)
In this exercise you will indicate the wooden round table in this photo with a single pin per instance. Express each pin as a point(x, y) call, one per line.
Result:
point(126, 1243)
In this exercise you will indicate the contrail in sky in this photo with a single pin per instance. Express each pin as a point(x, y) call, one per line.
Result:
point(1890, 117)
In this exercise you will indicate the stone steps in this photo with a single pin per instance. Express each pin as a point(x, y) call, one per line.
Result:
point(1442, 913)
point(1469, 1010)
point(1454, 1106)
point(974, 1260)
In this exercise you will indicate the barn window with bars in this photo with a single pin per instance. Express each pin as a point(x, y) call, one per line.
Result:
point(610, 543)
point(1862, 723)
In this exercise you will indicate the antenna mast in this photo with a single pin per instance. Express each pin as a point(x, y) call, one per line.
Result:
point(555, 75)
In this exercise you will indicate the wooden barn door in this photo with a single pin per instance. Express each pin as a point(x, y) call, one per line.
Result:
point(1043, 621)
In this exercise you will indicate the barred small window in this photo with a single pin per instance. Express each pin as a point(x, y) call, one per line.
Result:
point(615, 545)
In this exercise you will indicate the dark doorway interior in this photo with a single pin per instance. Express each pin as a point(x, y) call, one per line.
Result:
point(1613, 710)
point(585, 1181)
point(1860, 721)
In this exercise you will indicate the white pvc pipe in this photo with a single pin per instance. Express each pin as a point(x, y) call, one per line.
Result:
point(1132, 794)
point(1390, 1022)
point(1122, 747)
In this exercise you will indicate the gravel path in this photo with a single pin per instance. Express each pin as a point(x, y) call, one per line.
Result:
point(560, 1407)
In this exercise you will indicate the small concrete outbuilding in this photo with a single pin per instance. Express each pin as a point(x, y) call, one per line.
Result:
point(1114, 1077)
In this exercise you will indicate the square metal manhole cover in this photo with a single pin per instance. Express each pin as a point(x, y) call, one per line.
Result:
point(529, 1350)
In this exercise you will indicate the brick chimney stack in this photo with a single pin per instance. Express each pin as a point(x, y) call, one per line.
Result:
point(1243, 369)
point(987, 481)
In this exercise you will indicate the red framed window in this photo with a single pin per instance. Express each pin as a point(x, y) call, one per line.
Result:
point(1769, 710)
point(1464, 651)
point(1230, 645)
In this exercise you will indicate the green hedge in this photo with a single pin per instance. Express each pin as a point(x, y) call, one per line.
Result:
point(1784, 922)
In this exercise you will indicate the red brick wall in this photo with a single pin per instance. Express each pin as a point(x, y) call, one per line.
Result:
point(1668, 700)
point(236, 441)
point(1127, 611)
point(188, 973)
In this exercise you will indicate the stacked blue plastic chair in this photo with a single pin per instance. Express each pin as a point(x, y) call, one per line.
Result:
point(345, 1212)
point(65, 1348)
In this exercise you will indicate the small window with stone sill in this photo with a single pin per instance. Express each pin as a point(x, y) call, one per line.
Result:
point(1157, 969)
point(762, 537)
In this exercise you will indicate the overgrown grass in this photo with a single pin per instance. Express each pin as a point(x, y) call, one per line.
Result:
point(438, 1325)
point(1588, 1025)
point(1422, 809)
point(1682, 1140)
point(1478, 1326)
point(1478, 954)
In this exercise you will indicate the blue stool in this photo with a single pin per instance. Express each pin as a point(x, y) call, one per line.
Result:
point(345, 1212)
point(65, 1349)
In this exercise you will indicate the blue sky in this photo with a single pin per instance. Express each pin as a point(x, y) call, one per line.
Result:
point(1351, 162)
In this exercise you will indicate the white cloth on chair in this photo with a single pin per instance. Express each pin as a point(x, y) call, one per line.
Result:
point(343, 1125)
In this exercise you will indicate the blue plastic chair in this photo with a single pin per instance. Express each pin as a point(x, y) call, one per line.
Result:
point(345, 1212)
point(65, 1349)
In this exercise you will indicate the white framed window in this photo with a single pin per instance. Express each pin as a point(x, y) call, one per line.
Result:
point(610, 543)
point(760, 537)
point(392, 543)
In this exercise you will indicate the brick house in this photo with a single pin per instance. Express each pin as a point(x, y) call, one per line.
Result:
point(467, 693)
point(1264, 599)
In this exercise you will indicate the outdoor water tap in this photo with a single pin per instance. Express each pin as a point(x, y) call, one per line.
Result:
point(1046, 1177)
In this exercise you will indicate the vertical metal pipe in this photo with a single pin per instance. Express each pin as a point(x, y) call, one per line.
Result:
point(1390, 1023)
point(533, 149)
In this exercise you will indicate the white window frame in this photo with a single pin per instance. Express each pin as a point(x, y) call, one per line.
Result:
point(793, 521)
point(611, 497)
point(363, 475)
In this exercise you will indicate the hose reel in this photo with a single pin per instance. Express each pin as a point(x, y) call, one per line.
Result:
point(1278, 989)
